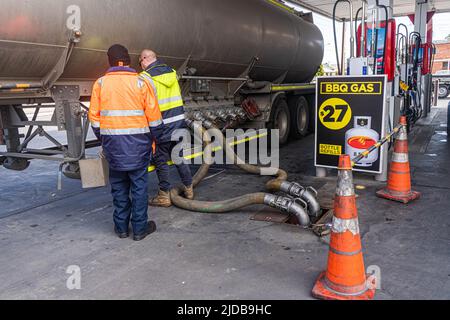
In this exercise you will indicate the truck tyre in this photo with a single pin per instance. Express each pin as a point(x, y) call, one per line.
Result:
point(443, 92)
point(15, 164)
point(280, 119)
point(299, 109)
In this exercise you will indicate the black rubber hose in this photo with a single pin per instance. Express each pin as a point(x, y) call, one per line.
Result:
point(406, 38)
point(375, 64)
point(219, 206)
point(386, 28)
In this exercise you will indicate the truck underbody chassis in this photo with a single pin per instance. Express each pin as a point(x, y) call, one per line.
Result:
point(267, 106)
point(225, 78)
point(69, 114)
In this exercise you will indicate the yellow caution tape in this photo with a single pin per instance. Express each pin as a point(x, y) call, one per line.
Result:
point(218, 148)
point(22, 86)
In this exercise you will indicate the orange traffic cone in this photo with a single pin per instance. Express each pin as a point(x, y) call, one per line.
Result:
point(345, 277)
point(399, 180)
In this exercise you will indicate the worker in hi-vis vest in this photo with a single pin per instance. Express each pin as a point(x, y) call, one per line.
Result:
point(125, 117)
point(165, 83)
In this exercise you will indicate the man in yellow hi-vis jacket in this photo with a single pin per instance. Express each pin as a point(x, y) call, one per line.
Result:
point(165, 83)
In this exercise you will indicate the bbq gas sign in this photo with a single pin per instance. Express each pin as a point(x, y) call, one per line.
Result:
point(349, 120)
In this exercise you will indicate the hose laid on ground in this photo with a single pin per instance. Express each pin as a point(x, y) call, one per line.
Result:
point(280, 183)
point(296, 207)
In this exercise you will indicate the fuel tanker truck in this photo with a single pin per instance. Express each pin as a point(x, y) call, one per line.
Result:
point(241, 64)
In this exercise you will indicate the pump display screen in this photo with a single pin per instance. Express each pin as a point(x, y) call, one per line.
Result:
point(380, 47)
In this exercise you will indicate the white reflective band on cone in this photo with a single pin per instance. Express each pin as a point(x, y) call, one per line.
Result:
point(345, 186)
point(403, 135)
point(400, 157)
point(343, 225)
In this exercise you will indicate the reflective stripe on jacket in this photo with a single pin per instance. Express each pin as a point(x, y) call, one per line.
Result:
point(125, 116)
point(164, 80)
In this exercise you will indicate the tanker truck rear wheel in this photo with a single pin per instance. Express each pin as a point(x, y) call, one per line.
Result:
point(299, 117)
point(281, 120)
point(15, 164)
point(443, 92)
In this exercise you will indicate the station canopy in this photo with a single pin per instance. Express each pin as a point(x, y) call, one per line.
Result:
point(401, 7)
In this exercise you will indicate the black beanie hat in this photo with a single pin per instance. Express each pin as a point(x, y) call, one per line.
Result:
point(118, 53)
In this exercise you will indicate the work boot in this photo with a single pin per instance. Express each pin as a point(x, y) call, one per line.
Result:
point(121, 235)
point(189, 192)
point(151, 227)
point(161, 200)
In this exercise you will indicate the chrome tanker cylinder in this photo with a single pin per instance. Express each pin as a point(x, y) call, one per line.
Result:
point(295, 207)
point(298, 53)
point(309, 195)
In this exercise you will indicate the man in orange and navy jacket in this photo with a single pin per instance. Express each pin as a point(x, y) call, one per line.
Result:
point(125, 117)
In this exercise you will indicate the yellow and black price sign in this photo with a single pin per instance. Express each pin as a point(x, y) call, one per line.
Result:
point(350, 113)
point(335, 113)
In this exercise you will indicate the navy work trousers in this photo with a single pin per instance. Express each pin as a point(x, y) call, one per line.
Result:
point(130, 198)
point(162, 156)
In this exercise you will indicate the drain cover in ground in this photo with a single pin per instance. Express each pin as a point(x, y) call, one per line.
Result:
point(269, 216)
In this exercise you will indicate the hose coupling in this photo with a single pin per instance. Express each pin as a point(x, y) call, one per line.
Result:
point(211, 116)
point(198, 116)
point(309, 195)
point(296, 207)
point(195, 126)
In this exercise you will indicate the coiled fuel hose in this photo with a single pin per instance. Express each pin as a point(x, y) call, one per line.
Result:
point(297, 206)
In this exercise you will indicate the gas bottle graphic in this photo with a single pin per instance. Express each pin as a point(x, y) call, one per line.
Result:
point(361, 138)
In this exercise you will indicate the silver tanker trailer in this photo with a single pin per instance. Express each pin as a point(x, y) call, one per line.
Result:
point(241, 63)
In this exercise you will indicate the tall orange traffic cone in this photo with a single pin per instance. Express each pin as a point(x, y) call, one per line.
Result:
point(345, 277)
point(399, 180)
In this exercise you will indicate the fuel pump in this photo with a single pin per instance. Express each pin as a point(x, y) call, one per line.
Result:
point(413, 109)
point(362, 64)
point(375, 42)
point(414, 60)
point(375, 48)
point(419, 50)
point(352, 35)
